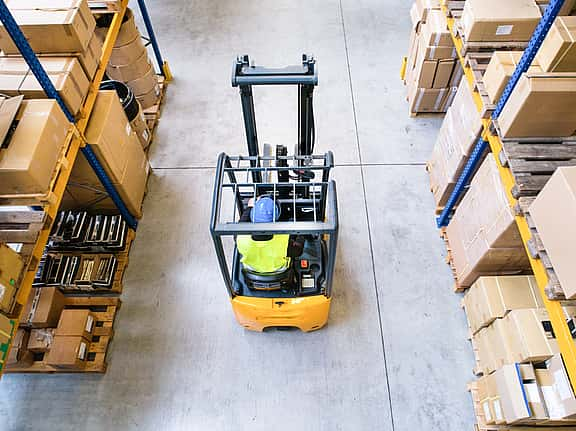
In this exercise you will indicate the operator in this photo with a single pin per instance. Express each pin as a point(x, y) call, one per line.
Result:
point(265, 254)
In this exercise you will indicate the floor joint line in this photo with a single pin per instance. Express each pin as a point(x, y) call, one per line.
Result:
point(367, 216)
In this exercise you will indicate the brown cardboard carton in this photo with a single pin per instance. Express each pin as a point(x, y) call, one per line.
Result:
point(133, 184)
point(553, 213)
point(90, 58)
point(426, 99)
point(435, 30)
point(487, 393)
point(69, 24)
point(541, 105)
point(490, 298)
point(40, 340)
point(558, 51)
point(28, 160)
point(108, 132)
point(75, 323)
point(496, 340)
point(421, 8)
point(68, 352)
point(526, 336)
point(141, 128)
point(11, 266)
point(127, 54)
point(6, 330)
point(65, 73)
point(483, 234)
point(132, 71)
point(495, 20)
point(43, 308)
point(557, 392)
point(19, 353)
point(412, 56)
point(443, 73)
point(500, 69)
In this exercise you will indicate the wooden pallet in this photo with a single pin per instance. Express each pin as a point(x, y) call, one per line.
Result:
point(538, 251)
point(117, 286)
point(533, 161)
point(104, 310)
point(450, 261)
point(22, 227)
point(48, 197)
point(104, 6)
point(478, 63)
point(485, 47)
point(152, 114)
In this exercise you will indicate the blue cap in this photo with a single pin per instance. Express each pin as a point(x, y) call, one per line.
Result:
point(265, 210)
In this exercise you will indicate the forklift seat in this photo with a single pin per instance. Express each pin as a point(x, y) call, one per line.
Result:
point(281, 279)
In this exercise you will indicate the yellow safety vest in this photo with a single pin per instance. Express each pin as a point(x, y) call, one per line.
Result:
point(264, 256)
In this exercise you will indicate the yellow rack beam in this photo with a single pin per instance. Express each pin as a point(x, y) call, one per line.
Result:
point(554, 308)
point(75, 140)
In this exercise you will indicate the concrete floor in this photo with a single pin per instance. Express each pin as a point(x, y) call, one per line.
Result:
point(394, 355)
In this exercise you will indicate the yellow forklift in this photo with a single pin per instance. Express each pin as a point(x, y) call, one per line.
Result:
point(298, 191)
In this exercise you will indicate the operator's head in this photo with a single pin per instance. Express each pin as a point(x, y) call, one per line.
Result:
point(265, 210)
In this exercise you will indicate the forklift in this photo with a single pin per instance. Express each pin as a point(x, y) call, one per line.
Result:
point(299, 294)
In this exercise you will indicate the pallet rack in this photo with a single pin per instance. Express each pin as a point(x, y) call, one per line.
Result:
point(75, 142)
point(490, 139)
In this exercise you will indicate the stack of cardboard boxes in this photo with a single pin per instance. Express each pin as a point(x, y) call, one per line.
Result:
point(517, 353)
point(456, 140)
point(51, 334)
point(432, 71)
point(11, 266)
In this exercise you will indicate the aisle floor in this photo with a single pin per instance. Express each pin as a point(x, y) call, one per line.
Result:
point(394, 355)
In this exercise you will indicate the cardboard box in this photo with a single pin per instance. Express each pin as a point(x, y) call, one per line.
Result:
point(50, 26)
point(456, 140)
point(435, 31)
point(65, 73)
point(526, 336)
point(553, 212)
point(28, 160)
point(127, 54)
point(490, 298)
point(132, 71)
point(90, 58)
point(487, 394)
point(6, 330)
point(43, 308)
point(483, 234)
point(557, 391)
point(558, 51)
point(498, 21)
point(499, 71)
point(443, 73)
point(145, 84)
point(427, 100)
point(68, 352)
point(75, 322)
point(40, 340)
point(11, 266)
point(19, 353)
point(420, 9)
point(540, 105)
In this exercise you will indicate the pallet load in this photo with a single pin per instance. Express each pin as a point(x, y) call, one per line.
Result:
point(120, 152)
point(483, 236)
point(432, 71)
point(130, 64)
point(456, 139)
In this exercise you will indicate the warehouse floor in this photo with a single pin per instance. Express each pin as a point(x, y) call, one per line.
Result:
point(394, 355)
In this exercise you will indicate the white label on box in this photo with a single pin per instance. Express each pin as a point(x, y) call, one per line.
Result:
point(498, 410)
point(532, 393)
point(504, 30)
point(487, 413)
point(128, 129)
point(553, 403)
point(2, 290)
point(145, 135)
point(82, 350)
point(89, 323)
point(562, 385)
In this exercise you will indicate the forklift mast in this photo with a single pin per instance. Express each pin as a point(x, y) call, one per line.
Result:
point(245, 74)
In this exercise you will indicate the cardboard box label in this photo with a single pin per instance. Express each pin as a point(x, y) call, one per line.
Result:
point(562, 384)
point(89, 323)
point(532, 394)
point(504, 30)
point(487, 413)
point(553, 404)
point(82, 351)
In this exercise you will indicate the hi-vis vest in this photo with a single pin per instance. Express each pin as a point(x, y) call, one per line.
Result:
point(264, 256)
